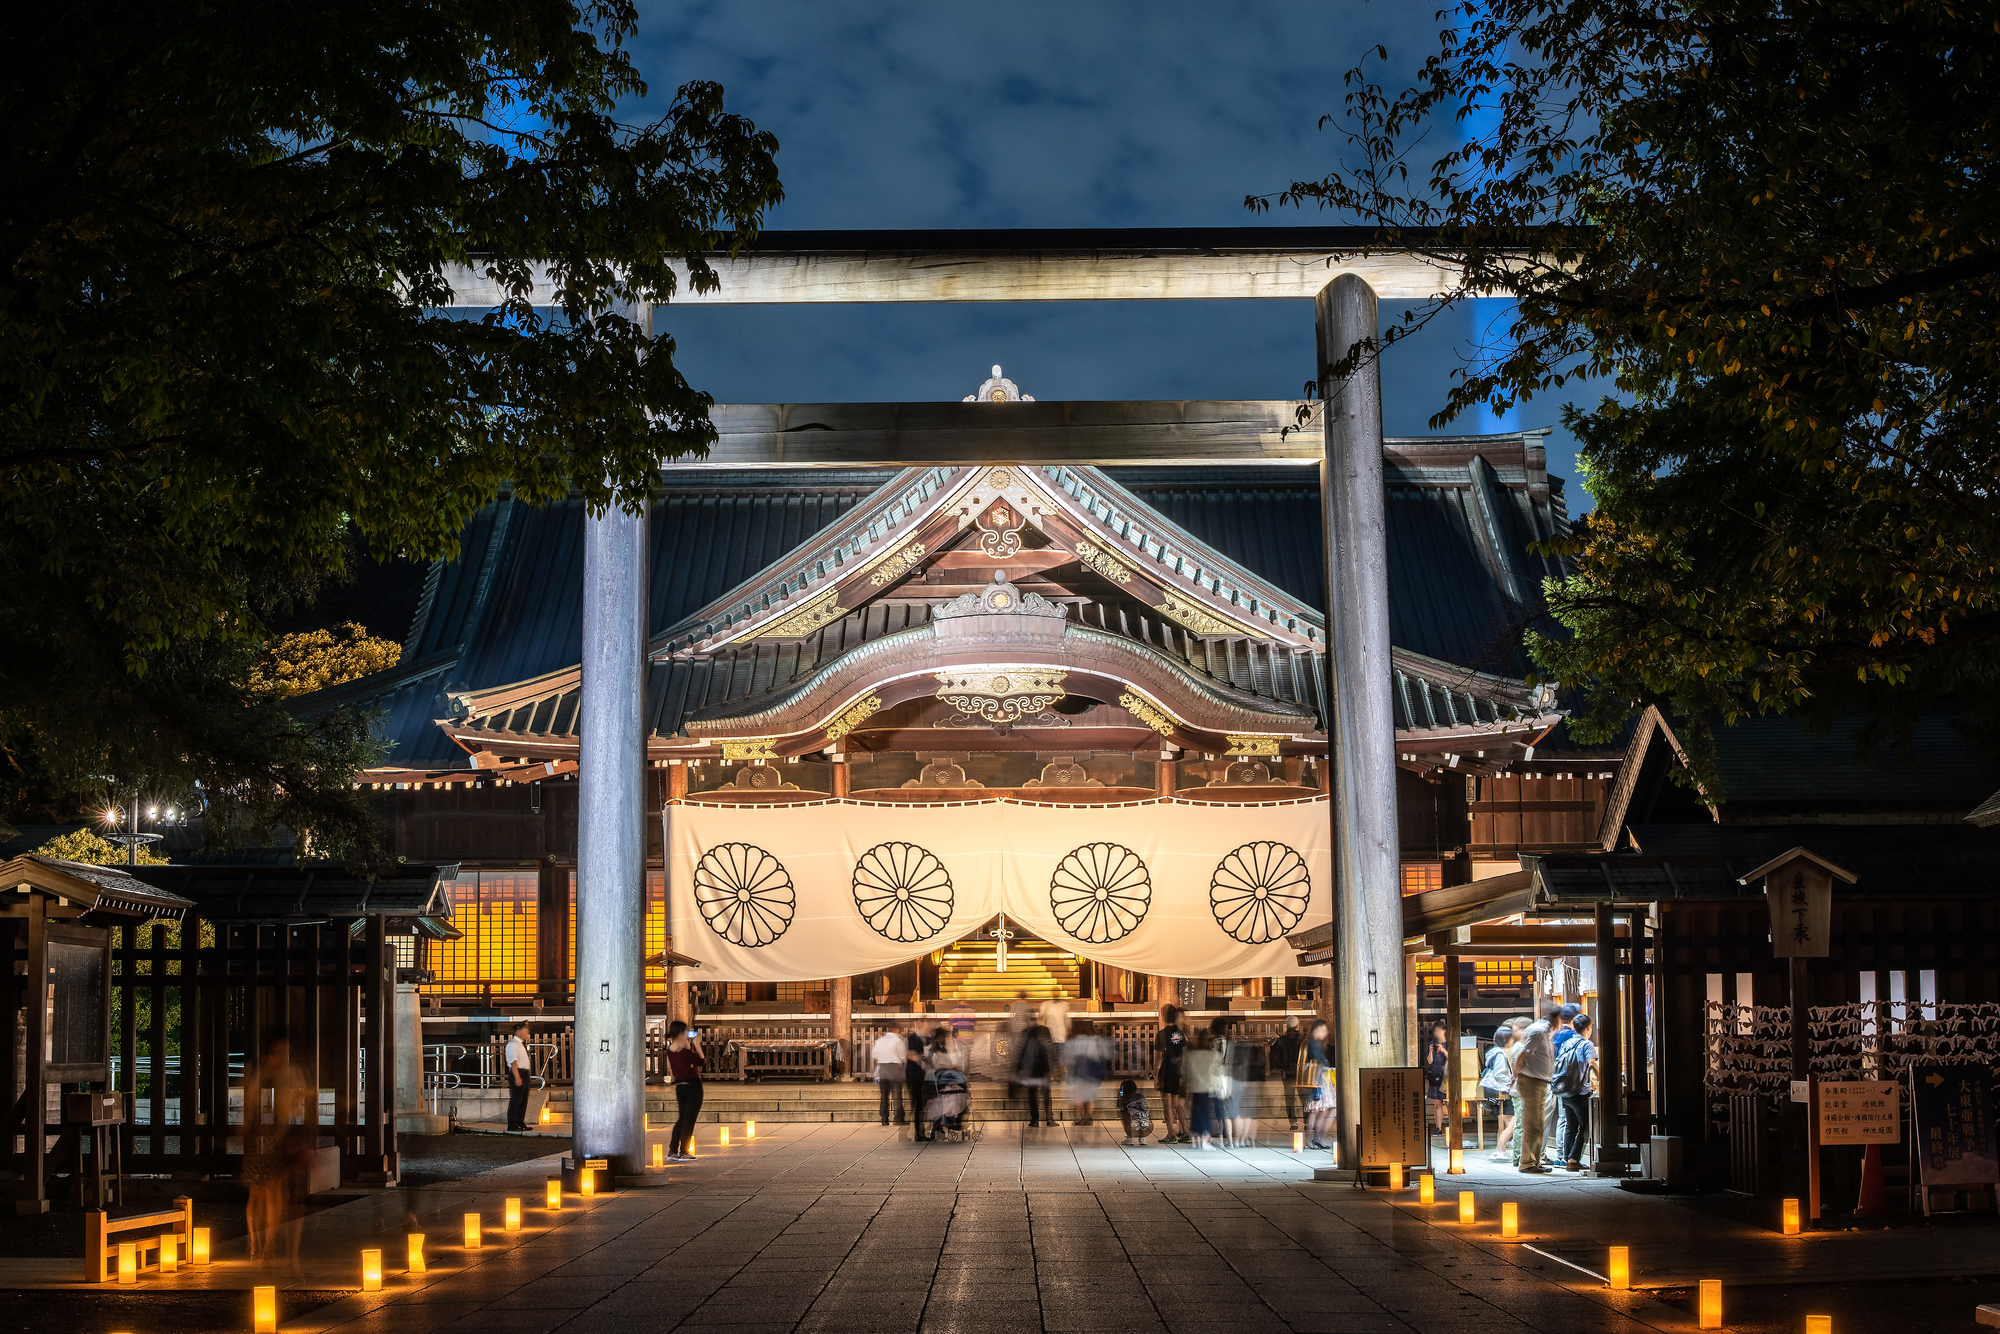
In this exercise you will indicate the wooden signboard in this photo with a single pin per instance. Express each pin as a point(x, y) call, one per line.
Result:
point(1800, 898)
point(1393, 1129)
point(1867, 1111)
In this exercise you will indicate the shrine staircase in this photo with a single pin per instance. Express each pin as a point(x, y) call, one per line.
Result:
point(968, 972)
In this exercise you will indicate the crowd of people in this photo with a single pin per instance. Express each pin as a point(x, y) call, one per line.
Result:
point(1538, 1078)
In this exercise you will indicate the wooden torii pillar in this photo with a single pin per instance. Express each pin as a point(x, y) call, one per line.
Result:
point(1330, 266)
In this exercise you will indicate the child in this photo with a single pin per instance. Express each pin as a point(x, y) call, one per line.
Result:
point(1132, 1112)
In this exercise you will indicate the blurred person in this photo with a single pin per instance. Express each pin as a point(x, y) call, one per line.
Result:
point(1054, 1016)
point(1234, 1055)
point(520, 1068)
point(1133, 1114)
point(1034, 1072)
point(277, 1152)
point(1202, 1069)
point(1575, 1082)
point(1437, 1063)
point(1088, 1058)
point(890, 1053)
point(1315, 1080)
point(1534, 1063)
point(1283, 1062)
point(1169, 1047)
point(916, 1077)
point(685, 1062)
point(1497, 1079)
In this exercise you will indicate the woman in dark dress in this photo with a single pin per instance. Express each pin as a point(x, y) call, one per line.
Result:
point(685, 1064)
point(1437, 1058)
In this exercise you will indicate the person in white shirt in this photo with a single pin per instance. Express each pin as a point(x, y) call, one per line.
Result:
point(1532, 1068)
point(889, 1054)
point(1054, 1016)
point(518, 1068)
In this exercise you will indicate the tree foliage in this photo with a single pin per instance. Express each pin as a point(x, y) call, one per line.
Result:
point(227, 232)
point(1774, 225)
point(316, 659)
point(85, 845)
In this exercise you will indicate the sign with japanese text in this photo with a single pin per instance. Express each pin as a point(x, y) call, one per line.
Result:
point(1866, 1111)
point(1393, 1129)
point(1800, 896)
point(1954, 1115)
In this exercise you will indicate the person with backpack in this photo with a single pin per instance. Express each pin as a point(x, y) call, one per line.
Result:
point(1574, 1082)
point(1561, 1034)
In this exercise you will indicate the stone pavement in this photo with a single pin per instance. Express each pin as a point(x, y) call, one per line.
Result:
point(852, 1227)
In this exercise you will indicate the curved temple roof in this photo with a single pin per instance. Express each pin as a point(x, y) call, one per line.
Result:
point(764, 580)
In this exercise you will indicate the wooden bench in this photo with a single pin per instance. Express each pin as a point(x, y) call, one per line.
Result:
point(100, 1252)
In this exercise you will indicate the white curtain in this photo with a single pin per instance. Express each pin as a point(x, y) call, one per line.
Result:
point(780, 894)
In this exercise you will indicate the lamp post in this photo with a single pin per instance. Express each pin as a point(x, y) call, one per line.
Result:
point(131, 838)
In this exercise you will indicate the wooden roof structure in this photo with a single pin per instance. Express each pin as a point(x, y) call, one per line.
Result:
point(1193, 589)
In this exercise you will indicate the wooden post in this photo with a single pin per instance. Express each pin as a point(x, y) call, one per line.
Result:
point(34, 1196)
point(840, 1016)
point(1607, 1027)
point(378, 1137)
point(1454, 1121)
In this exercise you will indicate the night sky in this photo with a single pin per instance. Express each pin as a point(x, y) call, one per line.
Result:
point(940, 115)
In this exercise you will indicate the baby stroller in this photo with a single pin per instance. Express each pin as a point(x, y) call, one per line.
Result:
point(946, 1111)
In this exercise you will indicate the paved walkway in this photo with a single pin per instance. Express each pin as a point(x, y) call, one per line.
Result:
point(852, 1227)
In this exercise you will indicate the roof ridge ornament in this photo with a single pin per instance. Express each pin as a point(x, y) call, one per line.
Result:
point(1000, 598)
point(997, 388)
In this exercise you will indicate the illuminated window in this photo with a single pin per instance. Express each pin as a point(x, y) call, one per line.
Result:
point(1500, 978)
point(656, 930)
point(1421, 876)
point(1220, 988)
point(496, 912)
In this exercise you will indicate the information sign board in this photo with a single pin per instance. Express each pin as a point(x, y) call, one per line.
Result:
point(1868, 1111)
point(1392, 1116)
point(1954, 1115)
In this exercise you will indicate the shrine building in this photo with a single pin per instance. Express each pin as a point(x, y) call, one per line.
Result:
point(910, 727)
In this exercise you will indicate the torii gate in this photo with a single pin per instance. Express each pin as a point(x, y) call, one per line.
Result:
point(1324, 264)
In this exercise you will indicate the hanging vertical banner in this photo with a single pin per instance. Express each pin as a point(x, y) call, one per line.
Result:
point(779, 894)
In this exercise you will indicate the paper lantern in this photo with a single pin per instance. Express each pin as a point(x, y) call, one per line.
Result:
point(1791, 1224)
point(1619, 1269)
point(264, 1310)
point(555, 1195)
point(170, 1252)
point(1457, 1166)
point(547, 1118)
point(1298, 1141)
point(1395, 1176)
point(198, 1247)
point(1819, 1324)
point(1427, 1189)
point(472, 1232)
point(128, 1262)
point(1711, 1303)
point(723, 1138)
point(586, 1181)
point(415, 1263)
point(512, 1220)
point(1510, 1219)
point(1466, 1212)
point(749, 1130)
point(371, 1271)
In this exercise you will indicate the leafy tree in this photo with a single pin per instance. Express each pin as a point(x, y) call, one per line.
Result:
point(84, 845)
point(302, 663)
point(226, 231)
point(1774, 226)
